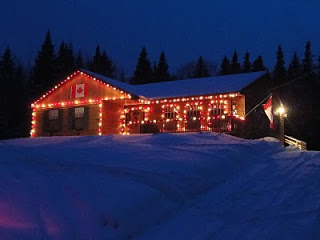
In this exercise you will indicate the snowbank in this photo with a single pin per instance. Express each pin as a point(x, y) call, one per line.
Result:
point(164, 186)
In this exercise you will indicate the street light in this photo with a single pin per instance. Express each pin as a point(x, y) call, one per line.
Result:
point(281, 110)
point(282, 113)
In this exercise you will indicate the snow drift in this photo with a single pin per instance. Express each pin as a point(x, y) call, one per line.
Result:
point(164, 186)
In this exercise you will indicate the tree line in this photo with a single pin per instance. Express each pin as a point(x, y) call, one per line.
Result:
point(295, 84)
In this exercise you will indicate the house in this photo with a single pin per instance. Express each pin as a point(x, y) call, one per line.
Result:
point(86, 103)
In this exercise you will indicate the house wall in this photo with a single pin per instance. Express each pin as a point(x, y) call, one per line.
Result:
point(111, 116)
point(155, 119)
point(60, 98)
point(92, 129)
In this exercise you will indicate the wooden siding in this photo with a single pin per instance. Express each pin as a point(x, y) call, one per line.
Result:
point(93, 122)
point(156, 115)
point(111, 116)
point(96, 90)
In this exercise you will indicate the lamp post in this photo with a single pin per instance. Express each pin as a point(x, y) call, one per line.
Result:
point(282, 113)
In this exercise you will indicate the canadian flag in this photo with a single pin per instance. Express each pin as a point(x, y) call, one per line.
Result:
point(79, 90)
point(268, 110)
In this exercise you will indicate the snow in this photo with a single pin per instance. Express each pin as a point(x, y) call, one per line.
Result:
point(163, 186)
point(188, 87)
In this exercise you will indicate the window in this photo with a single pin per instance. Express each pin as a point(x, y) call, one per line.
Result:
point(193, 112)
point(135, 116)
point(79, 118)
point(53, 114)
point(193, 115)
point(52, 120)
point(217, 109)
point(169, 112)
point(53, 117)
point(234, 107)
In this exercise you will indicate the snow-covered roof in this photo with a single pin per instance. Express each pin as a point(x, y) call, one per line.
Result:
point(115, 83)
point(188, 87)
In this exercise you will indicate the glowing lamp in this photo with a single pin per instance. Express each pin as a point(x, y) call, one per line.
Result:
point(281, 110)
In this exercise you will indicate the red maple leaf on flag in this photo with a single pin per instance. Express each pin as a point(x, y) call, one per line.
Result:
point(79, 90)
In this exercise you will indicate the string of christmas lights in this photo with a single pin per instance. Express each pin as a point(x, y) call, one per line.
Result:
point(100, 119)
point(174, 100)
point(36, 105)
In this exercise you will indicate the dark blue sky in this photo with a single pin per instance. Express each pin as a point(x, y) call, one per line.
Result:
point(183, 29)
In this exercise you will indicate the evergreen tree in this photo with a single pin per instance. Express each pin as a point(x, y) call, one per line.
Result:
point(257, 65)
point(225, 67)
point(294, 69)
point(154, 69)
point(201, 69)
point(307, 61)
point(70, 59)
point(186, 71)
point(44, 71)
point(280, 72)
point(11, 96)
point(61, 53)
point(95, 64)
point(143, 72)
point(7, 67)
point(107, 67)
point(247, 67)
point(79, 61)
point(161, 70)
point(65, 62)
point(6, 78)
point(102, 64)
point(235, 65)
point(7, 71)
point(18, 115)
point(318, 68)
point(97, 59)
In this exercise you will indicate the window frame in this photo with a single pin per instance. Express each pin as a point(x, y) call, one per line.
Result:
point(193, 111)
point(52, 120)
point(170, 112)
point(217, 109)
point(78, 122)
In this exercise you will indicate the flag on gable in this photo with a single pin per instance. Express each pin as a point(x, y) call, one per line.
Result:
point(79, 90)
point(269, 111)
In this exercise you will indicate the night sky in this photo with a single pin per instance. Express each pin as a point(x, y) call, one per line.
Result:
point(183, 29)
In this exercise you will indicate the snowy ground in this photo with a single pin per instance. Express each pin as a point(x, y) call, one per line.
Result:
point(164, 186)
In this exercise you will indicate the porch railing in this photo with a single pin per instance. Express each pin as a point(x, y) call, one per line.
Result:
point(228, 124)
point(295, 142)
